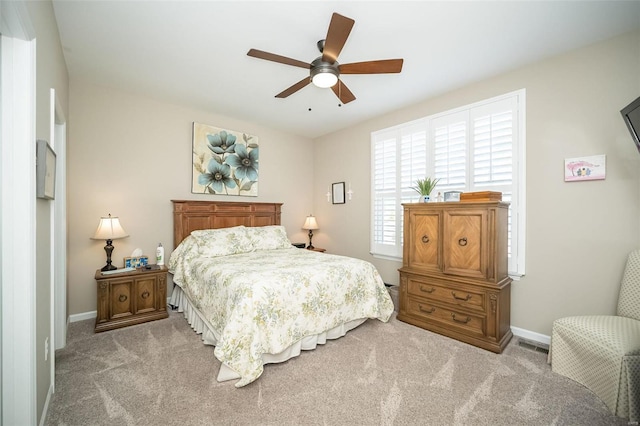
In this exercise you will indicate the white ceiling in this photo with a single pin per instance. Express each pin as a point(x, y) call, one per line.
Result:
point(195, 52)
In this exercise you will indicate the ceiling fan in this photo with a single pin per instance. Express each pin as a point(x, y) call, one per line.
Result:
point(325, 70)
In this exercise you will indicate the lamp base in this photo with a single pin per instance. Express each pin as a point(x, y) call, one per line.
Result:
point(108, 249)
point(310, 246)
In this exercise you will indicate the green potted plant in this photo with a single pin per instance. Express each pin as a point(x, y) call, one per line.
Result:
point(424, 188)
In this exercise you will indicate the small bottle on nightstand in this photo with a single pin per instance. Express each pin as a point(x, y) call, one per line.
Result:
point(160, 254)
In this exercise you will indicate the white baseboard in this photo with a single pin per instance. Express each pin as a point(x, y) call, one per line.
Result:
point(90, 315)
point(531, 335)
point(83, 316)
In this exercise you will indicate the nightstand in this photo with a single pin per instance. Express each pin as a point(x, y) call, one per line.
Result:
point(131, 297)
point(321, 250)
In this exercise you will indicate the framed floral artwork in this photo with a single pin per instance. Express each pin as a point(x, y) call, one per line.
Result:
point(225, 162)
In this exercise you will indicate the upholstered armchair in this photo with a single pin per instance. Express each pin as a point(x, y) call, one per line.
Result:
point(603, 352)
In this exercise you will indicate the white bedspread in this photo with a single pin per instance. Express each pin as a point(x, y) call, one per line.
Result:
point(262, 302)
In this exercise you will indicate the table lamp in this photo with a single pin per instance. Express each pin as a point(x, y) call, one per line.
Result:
point(310, 224)
point(109, 229)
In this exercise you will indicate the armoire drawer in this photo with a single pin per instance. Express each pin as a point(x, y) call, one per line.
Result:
point(466, 297)
point(452, 319)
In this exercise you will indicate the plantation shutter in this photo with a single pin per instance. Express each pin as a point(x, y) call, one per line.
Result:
point(450, 140)
point(384, 177)
point(494, 153)
point(399, 159)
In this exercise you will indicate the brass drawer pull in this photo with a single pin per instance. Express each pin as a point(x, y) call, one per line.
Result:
point(425, 239)
point(122, 298)
point(453, 293)
point(462, 241)
point(430, 311)
point(426, 290)
point(145, 294)
point(466, 320)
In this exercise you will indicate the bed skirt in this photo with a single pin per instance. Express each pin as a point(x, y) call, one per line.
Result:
point(200, 325)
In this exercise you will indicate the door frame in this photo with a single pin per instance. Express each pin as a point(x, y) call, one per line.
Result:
point(18, 218)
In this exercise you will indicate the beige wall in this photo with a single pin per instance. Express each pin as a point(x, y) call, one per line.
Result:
point(578, 234)
point(51, 72)
point(129, 156)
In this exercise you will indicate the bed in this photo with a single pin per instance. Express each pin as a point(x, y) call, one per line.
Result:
point(254, 296)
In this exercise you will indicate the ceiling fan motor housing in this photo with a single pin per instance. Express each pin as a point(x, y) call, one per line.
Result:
point(324, 74)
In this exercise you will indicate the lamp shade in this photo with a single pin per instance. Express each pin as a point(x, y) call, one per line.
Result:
point(109, 228)
point(310, 223)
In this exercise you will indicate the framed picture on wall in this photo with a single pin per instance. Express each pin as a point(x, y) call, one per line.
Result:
point(45, 170)
point(585, 168)
point(337, 193)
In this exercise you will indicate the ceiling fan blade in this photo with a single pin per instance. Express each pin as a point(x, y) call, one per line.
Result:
point(293, 89)
point(339, 30)
point(383, 66)
point(277, 58)
point(343, 93)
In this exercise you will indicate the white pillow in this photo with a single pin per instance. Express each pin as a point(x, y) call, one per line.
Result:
point(182, 250)
point(223, 241)
point(269, 237)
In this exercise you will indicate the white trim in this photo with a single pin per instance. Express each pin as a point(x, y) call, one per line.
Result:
point(18, 224)
point(59, 227)
point(386, 257)
point(83, 316)
point(46, 405)
point(521, 158)
point(531, 335)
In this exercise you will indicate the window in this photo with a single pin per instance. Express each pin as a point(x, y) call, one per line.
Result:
point(479, 147)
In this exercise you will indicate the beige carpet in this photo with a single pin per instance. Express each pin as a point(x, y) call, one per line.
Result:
point(379, 374)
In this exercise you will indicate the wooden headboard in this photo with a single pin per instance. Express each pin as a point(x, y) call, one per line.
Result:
point(191, 215)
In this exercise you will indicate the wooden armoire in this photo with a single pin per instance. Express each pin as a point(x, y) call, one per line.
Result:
point(454, 279)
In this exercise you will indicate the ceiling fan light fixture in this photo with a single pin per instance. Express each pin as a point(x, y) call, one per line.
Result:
point(325, 71)
point(324, 77)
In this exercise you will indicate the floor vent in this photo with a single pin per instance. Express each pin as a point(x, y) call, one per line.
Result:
point(534, 346)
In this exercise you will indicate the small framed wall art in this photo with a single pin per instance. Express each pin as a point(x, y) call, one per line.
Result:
point(45, 170)
point(337, 193)
point(585, 168)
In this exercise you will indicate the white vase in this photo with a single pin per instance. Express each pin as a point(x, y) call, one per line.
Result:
point(424, 198)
